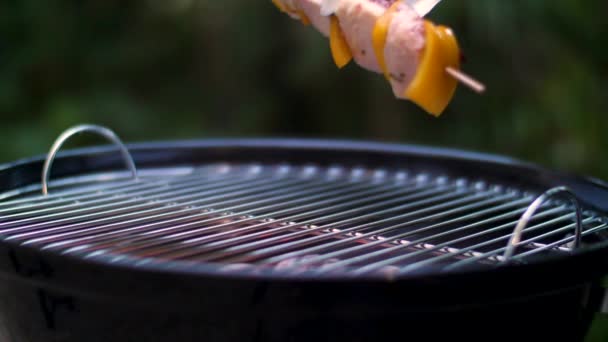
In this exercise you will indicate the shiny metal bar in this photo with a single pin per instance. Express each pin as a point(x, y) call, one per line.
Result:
point(495, 252)
point(157, 191)
point(70, 132)
point(538, 247)
point(79, 185)
point(163, 191)
point(75, 186)
point(29, 196)
point(271, 214)
point(527, 216)
point(217, 241)
point(266, 245)
point(202, 173)
point(190, 209)
point(147, 206)
point(192, 230)
point(394, 238)
point(551, 233)
point(269, 248)
point(156, 226)
point(448, 245)
point(101, 189)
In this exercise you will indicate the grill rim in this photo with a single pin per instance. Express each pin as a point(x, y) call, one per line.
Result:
point(79, 161)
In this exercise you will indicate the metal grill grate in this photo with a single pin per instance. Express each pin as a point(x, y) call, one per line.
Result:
point(291, 218)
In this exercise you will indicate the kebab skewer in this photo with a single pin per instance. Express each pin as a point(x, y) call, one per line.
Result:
point(420, 59)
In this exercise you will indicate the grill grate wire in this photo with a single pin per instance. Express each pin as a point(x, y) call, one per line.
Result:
point(291, 218)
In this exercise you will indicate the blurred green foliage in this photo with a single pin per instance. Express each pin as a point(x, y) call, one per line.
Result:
point(200, 68)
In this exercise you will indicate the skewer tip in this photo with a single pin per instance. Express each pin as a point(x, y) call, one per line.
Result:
point(467, 80)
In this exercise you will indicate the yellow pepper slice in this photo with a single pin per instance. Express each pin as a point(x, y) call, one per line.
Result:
point(379, 37)
point(279, 5)
point(303, 17)
point(340, 50)
point(432, 88)
point(284, 8)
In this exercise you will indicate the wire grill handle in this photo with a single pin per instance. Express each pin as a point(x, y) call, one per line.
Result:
point(70, 132)
point(529, 213)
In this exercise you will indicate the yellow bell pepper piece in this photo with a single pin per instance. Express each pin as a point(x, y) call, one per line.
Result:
point(340, 50)
point(303, 17)
point(279, 5)
point(284, 8)
point(379, 36)
point(432, 88)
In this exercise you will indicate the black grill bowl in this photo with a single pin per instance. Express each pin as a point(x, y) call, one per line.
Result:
point(46, 295)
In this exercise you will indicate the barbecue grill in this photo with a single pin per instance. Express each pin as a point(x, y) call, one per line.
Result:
point(295, 240)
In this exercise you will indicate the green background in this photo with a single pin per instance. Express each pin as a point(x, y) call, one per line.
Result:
point(161, 69)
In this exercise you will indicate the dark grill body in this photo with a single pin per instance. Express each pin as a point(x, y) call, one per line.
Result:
point(291, 240)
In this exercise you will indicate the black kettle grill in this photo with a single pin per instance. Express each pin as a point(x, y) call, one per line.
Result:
point(295, 240)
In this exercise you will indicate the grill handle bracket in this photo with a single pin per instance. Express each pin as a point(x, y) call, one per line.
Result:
point(533, 207)
point(70, 132)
